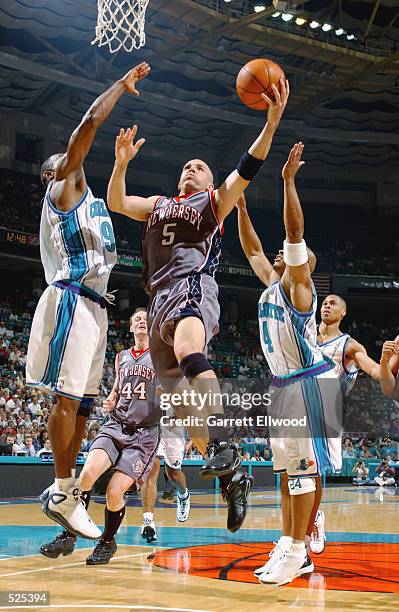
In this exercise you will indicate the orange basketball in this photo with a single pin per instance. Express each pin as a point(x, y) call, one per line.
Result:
point(255, 78)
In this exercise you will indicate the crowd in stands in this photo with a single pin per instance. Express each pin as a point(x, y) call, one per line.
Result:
point(237, 358)
point(20, 209)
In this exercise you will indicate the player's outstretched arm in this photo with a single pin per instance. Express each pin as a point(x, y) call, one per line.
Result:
point(82, 138)
point(251, 245)
point(389, 366)
point(251, 161)
point(358, 353)
point(134, 207)
point(296, 279)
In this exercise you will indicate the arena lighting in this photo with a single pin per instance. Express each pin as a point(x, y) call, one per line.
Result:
point(300, 21)
point(276, 14)
point(350, 36)
point(314, 24)
point(259, 7)
point(326, 27)
point(339, 32)
point(287, 16)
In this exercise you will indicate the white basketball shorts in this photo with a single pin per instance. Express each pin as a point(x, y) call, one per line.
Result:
point(67, 344)
point(314, 445)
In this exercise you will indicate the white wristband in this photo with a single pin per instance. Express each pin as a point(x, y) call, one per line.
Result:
point(295, 254)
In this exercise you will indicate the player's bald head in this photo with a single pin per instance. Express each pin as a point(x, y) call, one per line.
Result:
point(48, 168)
point(338, 298)
point(196, 175)
point(333, 309)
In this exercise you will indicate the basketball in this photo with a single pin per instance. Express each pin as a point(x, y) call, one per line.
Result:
point(255, 78)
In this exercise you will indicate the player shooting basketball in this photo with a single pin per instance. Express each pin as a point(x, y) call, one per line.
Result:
point(181, 250)
point(69, 329)
point(303, 383)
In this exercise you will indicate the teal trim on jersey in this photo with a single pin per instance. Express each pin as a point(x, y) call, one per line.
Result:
point(333, 340)
point(75, 247)
point(305, 370)
point(64, 318)
point(69, 212)
point(299, 325)
point(314, 409)
point(343, 359)
point(291, 307)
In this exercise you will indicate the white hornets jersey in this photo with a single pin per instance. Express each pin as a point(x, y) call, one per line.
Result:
point(78, 245)
point(335, 350)
point(288, 337)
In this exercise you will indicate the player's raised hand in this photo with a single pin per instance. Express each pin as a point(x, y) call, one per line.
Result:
point(389, 348)
point(110, 402)
point(135, 74)
point(276, 107)
point(294, 162)
point(125, 147)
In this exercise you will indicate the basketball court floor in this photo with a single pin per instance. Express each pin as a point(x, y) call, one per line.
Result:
point(200, 566)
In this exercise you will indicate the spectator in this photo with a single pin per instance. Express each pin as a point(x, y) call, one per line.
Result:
point(257, 457)
point(28, 447)
point(46, 448)
point(14, 446)
point(247, 456)
point(386, 475)
point(362, 474)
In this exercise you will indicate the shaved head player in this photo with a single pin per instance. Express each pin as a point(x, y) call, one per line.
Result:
point(181, 250)
point(69, 329)
point(304, 382)
point(349, 356)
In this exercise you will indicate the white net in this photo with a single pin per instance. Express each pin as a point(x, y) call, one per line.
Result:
point(120, 24)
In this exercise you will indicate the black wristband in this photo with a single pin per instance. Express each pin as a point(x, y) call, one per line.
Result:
point(248, 166)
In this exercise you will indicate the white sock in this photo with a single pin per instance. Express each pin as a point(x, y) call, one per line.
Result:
point(285, 541)
point(148, 517)
point(297, 548)
point(184, 495)
point(63, 484)
point(73, 473)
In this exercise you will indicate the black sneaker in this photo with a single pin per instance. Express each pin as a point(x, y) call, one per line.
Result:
point(236, 496)
point(149, 532)
point(223, 459)
point(103, 553)
point(63, 544)
point(307, 567)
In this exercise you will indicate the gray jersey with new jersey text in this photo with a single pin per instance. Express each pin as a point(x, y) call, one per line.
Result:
point(138, 402)
point(181, 237)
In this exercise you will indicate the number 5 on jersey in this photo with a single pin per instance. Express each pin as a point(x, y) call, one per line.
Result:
point(169, 236)
point(140, 391)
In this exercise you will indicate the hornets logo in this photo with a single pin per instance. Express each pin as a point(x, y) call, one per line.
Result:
point(304, 464)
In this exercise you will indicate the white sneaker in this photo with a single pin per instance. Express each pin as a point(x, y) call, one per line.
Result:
point(183, 508)
point(287, 568)
point(67, 509)
point(149, 531)
point(46, 493)
point(280, 548)
point(318, 538)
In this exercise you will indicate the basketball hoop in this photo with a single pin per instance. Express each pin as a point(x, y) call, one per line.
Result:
point(120, 24)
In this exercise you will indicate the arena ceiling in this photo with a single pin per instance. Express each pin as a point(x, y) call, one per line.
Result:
point(344, 102)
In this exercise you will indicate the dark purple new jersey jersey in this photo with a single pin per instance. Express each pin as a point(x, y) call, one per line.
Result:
point(181, 237)
point(138, 402)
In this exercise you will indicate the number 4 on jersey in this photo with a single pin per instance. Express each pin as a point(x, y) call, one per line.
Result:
point(140, 390)
point(266, 337)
